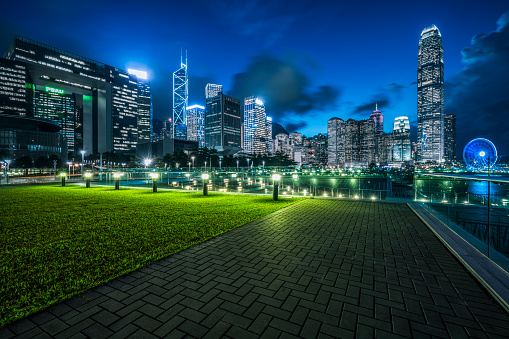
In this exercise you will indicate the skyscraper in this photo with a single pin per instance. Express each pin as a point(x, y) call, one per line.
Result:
point(430, 96)
point(105, 98)
point(180, 98)
point(16, 89)
point(212, 90)
point(359, 141)
point(402, 150)
point(336, 139)
point(450, 137)
point(378, 117)
point(196, 124)
point(223, 124)
point(254, 127)
point(144, 106)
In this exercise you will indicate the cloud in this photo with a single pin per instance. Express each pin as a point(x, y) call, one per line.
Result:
point(283, 88)
point(478, 94)
point(369, 106)
point(295, 126)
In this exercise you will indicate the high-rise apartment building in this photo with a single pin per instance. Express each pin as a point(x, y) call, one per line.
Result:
point(254, 127)
point(213, 90)
point(196, 124)
point(402, 150)
point(450, 137)
point(359, 141)
point(336, 139)
point(430, 96)
point(105, 98)
point(281, 144)
point(223, 124)
point(180, 98)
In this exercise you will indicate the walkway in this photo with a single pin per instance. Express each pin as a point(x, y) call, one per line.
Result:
point(321, 267)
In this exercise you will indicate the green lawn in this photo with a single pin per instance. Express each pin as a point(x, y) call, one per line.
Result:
point(56, 242)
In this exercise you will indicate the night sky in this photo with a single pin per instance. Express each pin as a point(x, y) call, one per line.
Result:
point(308, 60)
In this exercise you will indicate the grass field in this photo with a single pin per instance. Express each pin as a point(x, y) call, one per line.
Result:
point(56, 242)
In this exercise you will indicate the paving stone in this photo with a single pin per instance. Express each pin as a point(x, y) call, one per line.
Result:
point(97, 331)
point(54, 326)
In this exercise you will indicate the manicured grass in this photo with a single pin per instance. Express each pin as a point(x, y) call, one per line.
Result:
point(56, 242)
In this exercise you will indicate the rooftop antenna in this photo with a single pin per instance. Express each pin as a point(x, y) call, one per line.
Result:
point(376, 107)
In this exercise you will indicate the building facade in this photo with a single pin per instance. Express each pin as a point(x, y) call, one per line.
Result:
point(105, 98)
point(254, 127)
point(336, 142)
point(16, 89)
point(223, 124)
point(196, 124)
point(359, 142)
point(430, 96)
point(402, 149)
point(450, 137)
point(180, 99)
point(213, 90)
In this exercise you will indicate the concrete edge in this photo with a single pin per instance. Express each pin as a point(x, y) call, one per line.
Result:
point(491, 276)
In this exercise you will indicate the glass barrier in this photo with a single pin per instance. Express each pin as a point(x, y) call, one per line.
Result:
point(475, 206)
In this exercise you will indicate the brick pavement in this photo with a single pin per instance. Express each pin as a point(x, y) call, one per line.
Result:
point(319, 268)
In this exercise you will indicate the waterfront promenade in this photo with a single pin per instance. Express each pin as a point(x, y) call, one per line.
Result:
point(318, 268)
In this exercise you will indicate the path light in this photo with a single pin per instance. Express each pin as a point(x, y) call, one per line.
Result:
point(87, 179)
point(63, 178)
point(275, 179)
point(205, 177)
point(117, 180)
point(154, 177)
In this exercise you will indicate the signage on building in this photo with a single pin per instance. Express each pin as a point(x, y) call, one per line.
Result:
point(54, 90)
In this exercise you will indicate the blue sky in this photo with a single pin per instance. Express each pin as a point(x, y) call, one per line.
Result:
point(308, 60)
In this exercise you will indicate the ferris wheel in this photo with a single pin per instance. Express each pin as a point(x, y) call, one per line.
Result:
point(480, 154)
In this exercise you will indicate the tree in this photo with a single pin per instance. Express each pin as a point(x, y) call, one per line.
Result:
point(41, 163)
point(23, 162)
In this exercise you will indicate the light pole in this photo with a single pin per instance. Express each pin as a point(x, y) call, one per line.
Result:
point(205, 177)
point(8, 162)
point(154, 177)
point(263, 164)
point(189, 163)
point(247, 164)
point(192, 158)
point(205, 165)
point(219, 165)
point(295, 176)
point(147, 162)
point(237, 165)
point(117, 180)
point(82, 160)
point(87, 179)
point(177, 166)
point(275, 179)
point(69, 163)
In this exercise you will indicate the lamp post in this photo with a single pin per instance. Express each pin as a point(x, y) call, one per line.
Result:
point(295, 176)
point(275, 179)
point(189, 163)
point(205, 165)
point(247, 164)
point(87, 179)
point(177, 166)
point(205, 177)
point(69, 163)
point(117, 180)
point(63, 178)
point(147, 162)
point(219, 165)
point(237, 165)
point(154, 177)
point(82, 160)
point(192, 158)
point(263, 165)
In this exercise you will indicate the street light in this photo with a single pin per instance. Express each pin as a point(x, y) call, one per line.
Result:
point(263, 164)
point(192, 158)
point(189, 163)
point(147, 162)
point(219, 165)
point(63, 178)
point(154, 177)
point(117, 180)
point(275, 179)
point(82, 160)
point(205, 177)
point(69, 163)
point(237, 165)
point(87, 179)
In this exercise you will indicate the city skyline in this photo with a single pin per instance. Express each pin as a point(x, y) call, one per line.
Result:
point(320, 77)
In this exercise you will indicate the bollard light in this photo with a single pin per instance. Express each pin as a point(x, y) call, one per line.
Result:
point(295, 176)
point(88, 175)
point(63, 178)
point(205, 177)
point(117, 180)
point(154, 177)
point(275, 179)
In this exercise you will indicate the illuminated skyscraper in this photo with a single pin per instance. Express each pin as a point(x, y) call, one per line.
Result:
point(144, 106)
point(212, 90)
point(336, 142)
point(223, 124)
point(196, 124)
point(255, 133)
point(378, 117)
point(180, 97)
point(402, 150)
point(16, 89)
point(270, 145)
point(450, 137)
point(430, 96)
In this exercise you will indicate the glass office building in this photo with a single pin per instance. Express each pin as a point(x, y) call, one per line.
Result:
point(430, 96)
point(180, 98)
point(223, 124)
point(105, 98)
point(196, 124)
point(402, 150)
point(16, 89)
point(254, 126)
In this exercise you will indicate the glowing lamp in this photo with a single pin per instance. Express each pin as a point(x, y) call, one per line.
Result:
point(154, 175)
point(63, 174)
point(88, 175)
point(276, 177)
point(117, 175)
point(295, 176)
point(205, 176)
